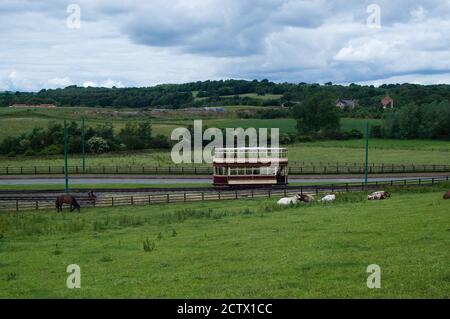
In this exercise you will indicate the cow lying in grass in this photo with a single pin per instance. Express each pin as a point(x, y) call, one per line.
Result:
point(305, 198)
point(379, 195)
point(447, 195)
point(328, 198)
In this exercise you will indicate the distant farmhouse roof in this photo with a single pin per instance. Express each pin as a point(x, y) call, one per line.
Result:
point(387, 101)
point(343, 103)
point(33, 105)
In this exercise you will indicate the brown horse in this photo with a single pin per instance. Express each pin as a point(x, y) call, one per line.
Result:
point(447, 195)
point(66, 199)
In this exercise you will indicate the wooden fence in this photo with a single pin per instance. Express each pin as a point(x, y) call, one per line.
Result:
point(11, 203)
point(207, 170)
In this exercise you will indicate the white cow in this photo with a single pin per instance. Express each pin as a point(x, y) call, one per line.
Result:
point(305, 198)
point(328, 198)
point(288, 200)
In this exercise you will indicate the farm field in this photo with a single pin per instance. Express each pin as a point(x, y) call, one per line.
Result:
point(222, 250)
point(285, 125)
point(17, 121)
point(381, 151)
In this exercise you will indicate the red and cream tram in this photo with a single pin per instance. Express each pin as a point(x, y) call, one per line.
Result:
point(250, 166)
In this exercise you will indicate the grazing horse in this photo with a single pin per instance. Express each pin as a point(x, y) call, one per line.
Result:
point(446, 195)
point(66, 199)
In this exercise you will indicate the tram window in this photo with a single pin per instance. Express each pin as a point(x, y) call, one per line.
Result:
point(220, 171)
point(248, 171)
point(233, 171)
point(241, 171)
point(256, 171)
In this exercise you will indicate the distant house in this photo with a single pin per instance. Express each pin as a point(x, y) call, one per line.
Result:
point(387, 102)
point(344, 103)
point(44, 106)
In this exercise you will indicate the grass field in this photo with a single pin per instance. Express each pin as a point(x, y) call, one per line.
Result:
point(233, 249)
point(381, 151)
point(16, 121)
point(285, 125)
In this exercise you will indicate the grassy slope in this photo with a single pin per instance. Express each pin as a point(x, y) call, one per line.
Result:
point(225, 250)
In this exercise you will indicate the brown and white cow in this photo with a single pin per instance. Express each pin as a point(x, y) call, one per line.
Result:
point(379, 195)
point(447, 195)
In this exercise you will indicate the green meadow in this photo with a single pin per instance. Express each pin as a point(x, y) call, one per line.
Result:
point(233, 249)
point(17, 121)
point(381, 151)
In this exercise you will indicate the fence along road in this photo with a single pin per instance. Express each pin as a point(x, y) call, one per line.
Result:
point(36, 203)
point(329, 168)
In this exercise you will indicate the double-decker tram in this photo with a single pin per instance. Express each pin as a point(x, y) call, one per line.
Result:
point(250, 166)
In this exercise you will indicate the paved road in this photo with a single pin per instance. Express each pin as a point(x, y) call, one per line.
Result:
point(103, 180)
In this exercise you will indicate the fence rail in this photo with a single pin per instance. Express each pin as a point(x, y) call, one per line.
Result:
point(12, 203)
point(207, 170)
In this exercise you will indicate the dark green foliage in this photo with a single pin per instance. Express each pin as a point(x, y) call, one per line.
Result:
point(149, 246)
point(413, 121)
point(316, 113)
point(50, 141)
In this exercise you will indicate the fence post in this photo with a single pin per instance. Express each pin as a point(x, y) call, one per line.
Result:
point(149, 199)
point(35, 170)
point(17, 204)
point(269, 192)
point(168, 198)
point(37, 205)
point(132, 201)
point(236, 195)
point(112, 201)
point(203, 196)
point(184, 197)
point(346, 187)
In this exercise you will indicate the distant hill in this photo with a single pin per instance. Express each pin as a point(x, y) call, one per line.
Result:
point(226, 92)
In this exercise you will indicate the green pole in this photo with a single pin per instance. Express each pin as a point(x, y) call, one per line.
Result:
point(366, 170)
point(82, 145)
point(66, 187)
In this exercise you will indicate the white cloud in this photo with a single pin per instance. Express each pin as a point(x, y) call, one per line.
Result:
point(137, 43)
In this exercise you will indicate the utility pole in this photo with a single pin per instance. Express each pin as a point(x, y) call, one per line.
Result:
point(66, 187)
point(82, 145)
point(366, 170)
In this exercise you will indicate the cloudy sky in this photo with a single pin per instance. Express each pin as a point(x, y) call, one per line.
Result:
point(143, 43)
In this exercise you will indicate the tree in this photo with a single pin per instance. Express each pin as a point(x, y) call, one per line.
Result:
point(97, 145)
point(316, 113)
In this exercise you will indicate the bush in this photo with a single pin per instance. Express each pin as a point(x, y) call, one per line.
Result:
point(11, 154)
point(376, 131)
point(52, 150)
point(149, 246)
point(29, 152)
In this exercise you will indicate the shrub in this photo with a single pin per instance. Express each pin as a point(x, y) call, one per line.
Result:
point(11, 154)
point(149, 246)
point(52, 150)
point(29, 152)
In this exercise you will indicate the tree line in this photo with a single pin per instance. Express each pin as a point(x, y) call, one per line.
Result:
point(228, 92)
point(317, 117)
point(99, 139)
